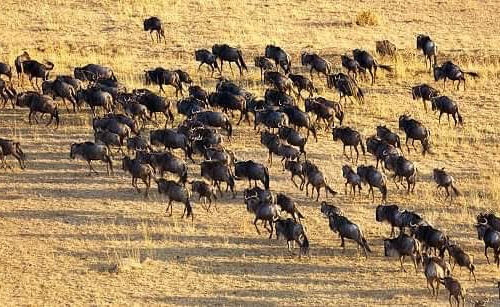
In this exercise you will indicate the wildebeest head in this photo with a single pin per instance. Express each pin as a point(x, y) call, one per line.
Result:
point(74, 149)
point(481, 228)
point(438, 73)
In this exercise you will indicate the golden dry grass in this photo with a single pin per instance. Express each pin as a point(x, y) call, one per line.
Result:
point(72, 239)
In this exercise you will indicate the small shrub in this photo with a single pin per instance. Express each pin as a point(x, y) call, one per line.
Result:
point(367, 18)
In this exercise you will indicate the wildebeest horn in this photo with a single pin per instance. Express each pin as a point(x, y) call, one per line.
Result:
point(485, 221)
point(413, 225)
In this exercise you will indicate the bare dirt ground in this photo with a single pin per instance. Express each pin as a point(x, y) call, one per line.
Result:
point(68, 238)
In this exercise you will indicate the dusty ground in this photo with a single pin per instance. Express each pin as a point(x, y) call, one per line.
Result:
point(64, 234)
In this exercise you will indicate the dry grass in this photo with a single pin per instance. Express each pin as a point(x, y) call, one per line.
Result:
point(367, 18)
point(72, 239)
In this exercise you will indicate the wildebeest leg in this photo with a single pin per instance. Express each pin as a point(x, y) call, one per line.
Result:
point(272, 230)
point(413, 144)
point(440, 114)
point(317, 190)
point(231, 67)
point(345, 153)
point(169, 206)
point(151, 35)
point(357, 153)
point(407, 139)
point(29, 116)
point(447, 192)
point(311, 72)
point(255, 224)
point(342, 243)
point(91, 169)
point(293, 181)
point(401, 259)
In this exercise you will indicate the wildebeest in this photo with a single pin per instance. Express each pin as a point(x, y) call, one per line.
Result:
point(156, 104)
point(444, 180)
point(264, 64)
point(218, 172)
point(287, 204)
point(325, 110)
point(490, 218)
point(39, 104)
point(280, 57)
point(303, 83)
point(299, 119)
point(416, 131)
point(315, 178)
point(424, 91)
point(36, 70)
point(454, 288)
point(165, 162)
point(402, 246)
point(204, 56)
point(214, 119)
point(346, 86)
point(252, 171)
point(176, 192)
point(444, 104)
point(7, 92)
point(6, 70)
point(228, 101)
point(271, 119)
point(435, 269)
point(351, 138)
point(109, 139)
point(371, 176)
point(352, 66)
point(95, 97)
point(58, 88)
point(380, 149)
point(138, 170)
point(461, 258)
point(491, 239)
point(264, 211)
point(348, 230)
point(428, 47)
point(198, 92)
point(279, 81)
point(295, 169)
point(112, 125)
point(184, 77)
point(153, 24)
point(316, 62)
point(138, 142)
point(89, 152)
point(293, 138)
point(367, 61)
point(386, 135)
point(275, 146)
point(397, 217)
point(293, 232)
point(328, 209)
point(352, 178)
point(206, 191)
point(94, 72)
point(19, 65)
point(10, 147)
point(449, 70)
point(385, 48)
point(229, 54)
point(274, 97)
point(162, 76)
point(402, 168)
point(430, 237)
point(171, 139)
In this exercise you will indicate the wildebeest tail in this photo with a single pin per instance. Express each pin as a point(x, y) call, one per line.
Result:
point(330, 190)
point(299, 215)
point(184, 175)
point(242, 62)
point(304, 248)
point(365, 244)
point(363, 149)
point(383, 190)
point(460, 119)
point(472, 74)
point(455, 190)
point(360, 96)
point(266, 178)
point(385, 67)
point(113, 77)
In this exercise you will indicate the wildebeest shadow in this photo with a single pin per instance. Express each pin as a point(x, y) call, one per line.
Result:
point(206, 301)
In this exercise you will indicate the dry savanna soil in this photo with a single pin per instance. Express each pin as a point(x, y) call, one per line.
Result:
point(69, 238)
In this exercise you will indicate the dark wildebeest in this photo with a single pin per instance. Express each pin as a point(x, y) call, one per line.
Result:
point(386, 135)
point(264, 211)
point(58, 88)
point(402, 168)
point(280, 57)
point(303, 83)
point(325, 110)
point(352, 66)
point(295, 169)
point(274, 97)
point(19, 66)
point(461, 258)
point(397, 217)
point(229, 101)
point(252, 171)
point(9, 147)
point(346, 86)
point(113, 125)
point(435, 269)
point(214, 119)
point(367, 61)
point(261, 194)
point(380, 149)
point(156, 104)
point(165, 162)
point(371, 176)
point(138, 143)
point(184, 77)
point(176, 192)
point(416, 131)
point(293, 138)
point(279, 81)
point(299, 119)
point(162, 76)
point(94, 72)
point(328, 209)
point(271, 119)
point(351, 138)
point(425, 92)
point(451, 71)
point(454, 288)
point(171, 139)
point(275, 146)
point(317, 63)
point(229, 54)
point(348, 230)
point(402, 246)
point(109, 139)
point(444, 180)
point(36, 70)
point(95, 97)
point(89, 152)
point(264, 64)
point(491, 239)
point(206, 191)
point(138, 170)
point(218, 172)
point(385, 48)
point(204, 56)
point(430, 237)
point(352, 178)
point(287, 204)
point(293, 232)
point(153, 24)
point(444, 104)
point(6, 70)
point(198, 92)
point(7, 92)
point(428, 47)
point(39, 104)
point(490, 218)
point(315, 178)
